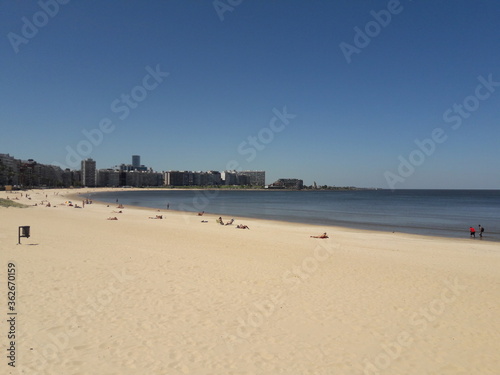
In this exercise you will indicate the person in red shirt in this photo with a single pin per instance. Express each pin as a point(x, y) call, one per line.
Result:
point(472, 232)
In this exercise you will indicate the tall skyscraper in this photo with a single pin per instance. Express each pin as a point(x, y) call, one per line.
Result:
point(136, 161)
point(88, 173)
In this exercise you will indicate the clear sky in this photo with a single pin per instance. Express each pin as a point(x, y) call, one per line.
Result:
point(400, 94)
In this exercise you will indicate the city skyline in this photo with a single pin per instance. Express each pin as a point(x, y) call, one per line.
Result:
point(30, 173)
point(387, 94)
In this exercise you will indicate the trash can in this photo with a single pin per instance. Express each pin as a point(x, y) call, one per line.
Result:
point(24, 231)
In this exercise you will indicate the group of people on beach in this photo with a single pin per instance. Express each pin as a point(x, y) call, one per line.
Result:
point(230, 222)
point(472, 231)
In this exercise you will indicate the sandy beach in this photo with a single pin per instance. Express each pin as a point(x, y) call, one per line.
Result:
point(180, 296)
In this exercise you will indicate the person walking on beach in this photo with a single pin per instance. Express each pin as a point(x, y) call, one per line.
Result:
point(472, 232)
point(481, 230)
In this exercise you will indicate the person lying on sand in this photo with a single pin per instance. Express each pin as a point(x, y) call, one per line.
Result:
point(242, 226)
point(230, 222)
point(117, 212)
point(157, 217)
point(201, 213)
point(219, 221)
point(322, 236)
point(112, 218)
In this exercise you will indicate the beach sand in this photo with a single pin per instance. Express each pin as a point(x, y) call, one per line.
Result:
point(178, 296)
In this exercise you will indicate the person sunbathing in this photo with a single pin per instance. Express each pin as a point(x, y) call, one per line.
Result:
point(201, 213)
point(230, 222)
point(242, 226)
point(112, 218)
point(157, 217)
point(321, 236)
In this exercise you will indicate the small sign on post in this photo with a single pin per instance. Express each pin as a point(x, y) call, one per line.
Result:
point(23, 232)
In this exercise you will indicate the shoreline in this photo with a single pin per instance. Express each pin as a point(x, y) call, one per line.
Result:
point(191, 217)
point(353, 227)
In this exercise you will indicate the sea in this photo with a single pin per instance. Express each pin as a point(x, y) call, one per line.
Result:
point(446, 213)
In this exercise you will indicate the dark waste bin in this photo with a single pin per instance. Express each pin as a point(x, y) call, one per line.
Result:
point(24, 231)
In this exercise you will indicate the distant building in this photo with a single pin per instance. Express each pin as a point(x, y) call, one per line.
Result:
point(189, 178)
point(9, 170)
point(143, 179)
point(29, 173)
point(230, 178)
point(71, 178)
point(213, 178)
point(47, 175)
point(252, 178)
point(135, 166)
point(255, 178)
point(136, 161)
point(287, 183)
point(108, 178)
point(89, 173)
point(176, 178)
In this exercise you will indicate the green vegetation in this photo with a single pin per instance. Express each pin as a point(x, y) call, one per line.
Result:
point(10, 203)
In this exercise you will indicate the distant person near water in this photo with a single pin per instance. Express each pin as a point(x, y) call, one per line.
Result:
point(472, 232)
point(481, 231)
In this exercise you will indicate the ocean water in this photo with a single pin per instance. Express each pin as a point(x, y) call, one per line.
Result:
point(447, 213)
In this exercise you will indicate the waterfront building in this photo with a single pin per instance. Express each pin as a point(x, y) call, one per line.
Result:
point(255, 178)
point(190, 178)
point(176, 178)
point(9, 170)
point(230, 178)
point(287, 183)
point(108, 178)
point(252, 178)
point(89, 173)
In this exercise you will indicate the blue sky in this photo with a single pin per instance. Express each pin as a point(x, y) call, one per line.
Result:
point(412, 70)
